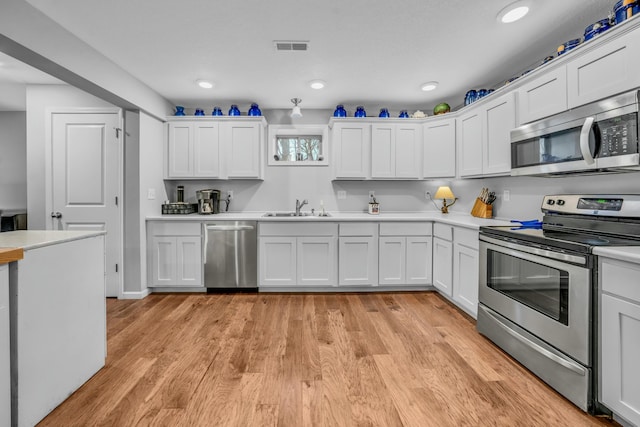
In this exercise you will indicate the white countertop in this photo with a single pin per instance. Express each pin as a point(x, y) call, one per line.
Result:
point(32, 239)
point(621, 253)
point(459, 219)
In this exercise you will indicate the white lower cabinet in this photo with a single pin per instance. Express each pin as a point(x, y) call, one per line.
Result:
point(298, 255)
point(405, 251)
point(443, 265)
point(358, 254)
point(619, 376)
point(5, 360)
point(174, 253)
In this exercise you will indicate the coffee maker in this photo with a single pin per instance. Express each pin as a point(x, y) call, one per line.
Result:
point(208, 201)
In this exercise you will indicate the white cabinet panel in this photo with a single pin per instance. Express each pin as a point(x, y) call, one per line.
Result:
point(278, 261)
point(383, 152)
point(174, 255)
point(351, 144)
point(358, 260)
point(405, 259)
point(605, 71)
point(408, 148)
point(206, 150)
point(465, 278)
point(189, 261)
point(163, 261)
point(418, 265)
point(470, 143)
point(543, 96)
point(5, 358)
point(392, 260)
point(180, 150)
point(439, 149)
point(500, 119)
point(316, 261)
point(443, 265)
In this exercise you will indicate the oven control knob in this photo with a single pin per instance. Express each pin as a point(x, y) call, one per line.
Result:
point(560, 202)
point(551, 202)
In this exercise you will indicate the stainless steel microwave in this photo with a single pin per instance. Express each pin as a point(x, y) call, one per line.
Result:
point(598, 137)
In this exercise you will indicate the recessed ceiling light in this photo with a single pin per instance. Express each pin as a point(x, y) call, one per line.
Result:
point(513, 12)
point(429, 86)
point(317, 84)
point(205, 84)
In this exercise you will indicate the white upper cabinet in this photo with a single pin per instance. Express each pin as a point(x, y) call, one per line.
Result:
point(439, 148)
point(229, 148)
point(351, 145)
point(395, 150)
point(543, 96)
point(606, 70)
point(484, 138)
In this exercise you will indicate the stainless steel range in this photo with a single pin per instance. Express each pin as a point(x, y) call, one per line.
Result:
point(538, 296)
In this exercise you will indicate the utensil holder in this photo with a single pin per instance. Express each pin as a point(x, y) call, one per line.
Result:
point(481, 209)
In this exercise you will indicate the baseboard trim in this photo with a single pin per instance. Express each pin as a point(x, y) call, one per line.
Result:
point(135, 295)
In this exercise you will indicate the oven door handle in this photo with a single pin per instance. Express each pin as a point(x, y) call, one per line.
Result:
point(584, 140)
point(536, 251)
point(572, 366)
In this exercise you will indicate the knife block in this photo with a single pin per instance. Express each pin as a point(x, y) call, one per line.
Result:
point(481, 209)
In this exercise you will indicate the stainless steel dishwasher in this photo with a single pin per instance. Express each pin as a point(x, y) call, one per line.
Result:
point(230, 254)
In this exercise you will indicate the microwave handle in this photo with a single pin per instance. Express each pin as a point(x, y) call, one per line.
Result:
point(584, 140)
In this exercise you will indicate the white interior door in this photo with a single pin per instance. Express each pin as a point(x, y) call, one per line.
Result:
point(85, 181)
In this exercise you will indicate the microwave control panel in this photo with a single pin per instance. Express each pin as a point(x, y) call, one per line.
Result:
point(619, 135)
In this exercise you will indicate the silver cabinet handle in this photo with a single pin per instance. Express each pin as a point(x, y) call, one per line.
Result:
point(584, 140)
point(229, 227)
point(206, 244)
point(56, 215)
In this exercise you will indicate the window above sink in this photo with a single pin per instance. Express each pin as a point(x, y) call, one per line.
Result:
point(298, 145)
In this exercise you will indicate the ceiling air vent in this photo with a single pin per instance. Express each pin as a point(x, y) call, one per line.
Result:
point(291, 45)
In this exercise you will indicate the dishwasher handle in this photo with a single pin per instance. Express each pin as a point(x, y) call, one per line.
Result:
point(229, 228)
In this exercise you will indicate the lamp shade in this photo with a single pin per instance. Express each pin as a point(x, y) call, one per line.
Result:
point(444, 192)
point(295, 112)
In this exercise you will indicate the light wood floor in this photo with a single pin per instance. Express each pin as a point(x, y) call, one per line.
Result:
point(388, 359)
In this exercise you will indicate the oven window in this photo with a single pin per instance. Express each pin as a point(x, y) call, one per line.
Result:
point(537, 286)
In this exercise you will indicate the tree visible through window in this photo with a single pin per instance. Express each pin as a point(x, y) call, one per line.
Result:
point(307, 148)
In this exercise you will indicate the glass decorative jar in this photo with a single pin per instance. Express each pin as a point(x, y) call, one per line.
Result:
point(360, 112)
point(384, 113)
point(234, 111)
point(404, 114)
point(340, 111)
point(179, 110)
point(217, 112)
point(199, 112)
point(254, 110)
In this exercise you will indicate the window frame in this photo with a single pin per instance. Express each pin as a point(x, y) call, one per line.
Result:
point(298, 131)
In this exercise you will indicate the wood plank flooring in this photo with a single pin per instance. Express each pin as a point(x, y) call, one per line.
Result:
point(384, 359)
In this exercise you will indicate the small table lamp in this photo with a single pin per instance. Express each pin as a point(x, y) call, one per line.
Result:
point(445, 193)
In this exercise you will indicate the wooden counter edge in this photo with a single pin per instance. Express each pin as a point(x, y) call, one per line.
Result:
point(10, 254)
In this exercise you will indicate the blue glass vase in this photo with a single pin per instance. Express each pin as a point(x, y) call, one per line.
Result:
point(199, 112)
point(360, 112)
point(179, 110)
point(234, 111)
point(404, 114)
point(340, 111)
point(254, 110)
point(384, 113)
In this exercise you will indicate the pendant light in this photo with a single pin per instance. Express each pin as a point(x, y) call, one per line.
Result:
point(295, 111)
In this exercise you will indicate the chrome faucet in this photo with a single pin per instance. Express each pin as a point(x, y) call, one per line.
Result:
point(300, 205)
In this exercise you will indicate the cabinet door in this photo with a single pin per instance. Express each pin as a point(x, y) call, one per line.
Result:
point(317, 257)
point(351, 145)
point(242, 142)
point(277, 261)
point(500, 119)
point(206, 150)
point(419, 257)
point(543, 96)
point(383, 152)
point(189, 261)
point(605, 71)
point(442, 265)
point(163, 261)
point(620, 347)
point(180, 150)
point(466, 278)
point(357, 261)
point(392, 260)
point(439, 149)
point(407, 150)
point(470, 143)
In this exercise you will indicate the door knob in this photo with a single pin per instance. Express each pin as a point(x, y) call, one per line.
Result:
point(56, 215)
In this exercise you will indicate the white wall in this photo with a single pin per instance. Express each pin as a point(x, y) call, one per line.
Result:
point(13, 160)
point(39, 99)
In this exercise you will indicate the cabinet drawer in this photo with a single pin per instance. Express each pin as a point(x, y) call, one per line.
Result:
point(359, 229)
point(466, 237)
point(405, 229)
point(169, 228)
point(298, 229)
point(443, 231)
point(621, 279)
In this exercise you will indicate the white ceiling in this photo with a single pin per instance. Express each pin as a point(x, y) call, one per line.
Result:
point(14, 76)
point(370, 52)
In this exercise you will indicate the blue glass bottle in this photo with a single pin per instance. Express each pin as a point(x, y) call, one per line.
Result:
point(199, 112)
point(470, 97)
point(340, 111)
point(360, 112)
point(481, 93)
point(217, 112)
point(404, 114)
point(179, 110)
point(234, 111)
point(384, 113)
point(254, 110)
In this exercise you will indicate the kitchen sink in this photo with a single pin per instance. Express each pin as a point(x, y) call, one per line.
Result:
point(292, 214)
